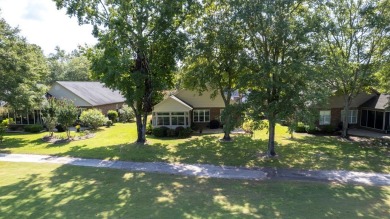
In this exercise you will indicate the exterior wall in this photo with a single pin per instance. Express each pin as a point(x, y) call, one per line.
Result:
point(106, 108)
point(335, 118)
point(60, 92)
point(170, 105)
point(215, 114)
point(200, 101)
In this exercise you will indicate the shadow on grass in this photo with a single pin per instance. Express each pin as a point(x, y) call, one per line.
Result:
point(81, 192)
point(331, 152)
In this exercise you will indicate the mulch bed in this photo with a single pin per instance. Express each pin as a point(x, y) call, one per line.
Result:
point(55, 140)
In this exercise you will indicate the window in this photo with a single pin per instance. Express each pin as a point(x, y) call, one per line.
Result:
point(325, 117)
point(201, 115)
point(170, 119)
point(163, 119)
point(352, 116)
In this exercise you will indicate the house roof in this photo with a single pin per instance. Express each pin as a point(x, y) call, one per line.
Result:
point(172, 103)
point(338, 101)
point(95, 93)
point(378, 102)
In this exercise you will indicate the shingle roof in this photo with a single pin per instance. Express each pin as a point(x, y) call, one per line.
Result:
point(378, 102)
point(338, 101)
point(94, 93)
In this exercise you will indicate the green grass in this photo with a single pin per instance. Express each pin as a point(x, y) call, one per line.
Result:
point(55, 191)
point(304, 152)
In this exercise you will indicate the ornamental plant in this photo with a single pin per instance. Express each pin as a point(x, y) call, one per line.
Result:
point(94, 118)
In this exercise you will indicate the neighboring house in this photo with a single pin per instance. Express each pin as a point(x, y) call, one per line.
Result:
point(187, 107)
point(87, 95)
point(366, 111)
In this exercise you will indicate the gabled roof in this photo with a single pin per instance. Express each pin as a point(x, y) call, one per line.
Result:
point(172, 104)
point(378, 102)
point(95, 93)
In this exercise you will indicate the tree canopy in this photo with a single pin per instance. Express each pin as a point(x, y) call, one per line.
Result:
point(23, 69)
point(216, 55)
point(353, 34)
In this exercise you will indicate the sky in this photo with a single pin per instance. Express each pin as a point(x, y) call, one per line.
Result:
point(41, 23)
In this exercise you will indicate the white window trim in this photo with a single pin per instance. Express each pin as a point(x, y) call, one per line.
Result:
point(351, 118)
point(325, 119)
point(198, 111)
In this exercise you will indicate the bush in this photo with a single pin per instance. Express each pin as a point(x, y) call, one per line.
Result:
point(112, 115)
point(94, 118)
point(160, 131)
point(185, 133)
point(214, 124)
point(178, 130)
point(301, 128)
point(171, 133)
point(328, 129)
point(15, 127)
point(33, 128)
point(126, 114)
point(2, 132)
point(149, 129)
point(7, 122)
point(109, 123)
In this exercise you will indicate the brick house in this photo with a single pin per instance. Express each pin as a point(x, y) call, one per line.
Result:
point(367, 110)
point(187, 107)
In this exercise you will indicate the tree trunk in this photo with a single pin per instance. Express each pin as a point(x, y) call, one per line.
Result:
point(140, 127)
point(226, 136)
point(344, 132)
point(271, 138)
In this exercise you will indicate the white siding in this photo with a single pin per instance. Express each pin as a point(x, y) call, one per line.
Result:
point(59, 92)
point(171, 105)
point(200, 101)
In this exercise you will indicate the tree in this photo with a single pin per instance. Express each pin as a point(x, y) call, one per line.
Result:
point(138, 45)
point(353, 34)
point(67, 114)
point(216, 58)
point(49, 115)
point(282, 57)
point(22, 69)
point(68, 67)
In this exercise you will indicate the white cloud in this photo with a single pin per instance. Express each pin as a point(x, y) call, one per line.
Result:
point(42, 24)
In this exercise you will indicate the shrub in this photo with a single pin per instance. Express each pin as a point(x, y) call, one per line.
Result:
point(160, 131)
point(33, 128)
point(7, 122)
point(214, 124)
point(112, 115)
point(328, 129)
point(171, 133)
point(178, 130)
point(15, 127)
point(126, 114)
point(2, 132)
point(109, 123)
point(94, 118)
point(149, 129)
point(301, 128)
point(185, 133)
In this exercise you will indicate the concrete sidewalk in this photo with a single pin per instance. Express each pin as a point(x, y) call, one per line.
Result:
point(205, 170)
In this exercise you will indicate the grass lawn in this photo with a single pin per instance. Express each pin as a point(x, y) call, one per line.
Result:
point(304, 152)
point(55, 191)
